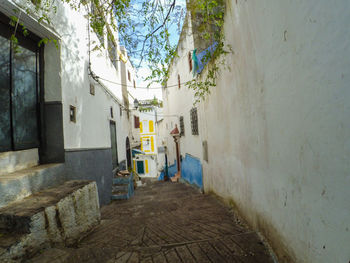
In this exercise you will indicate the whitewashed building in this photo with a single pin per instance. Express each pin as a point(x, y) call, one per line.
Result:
point(145, 164)
point(65, 104)
point(273, 135)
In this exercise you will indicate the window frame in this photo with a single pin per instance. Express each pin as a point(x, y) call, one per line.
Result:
point(194, 121)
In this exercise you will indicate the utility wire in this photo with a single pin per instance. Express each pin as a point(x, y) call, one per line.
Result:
point(159, 115)
point(141, 87)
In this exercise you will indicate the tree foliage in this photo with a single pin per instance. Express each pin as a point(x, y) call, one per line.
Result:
point(144, 28)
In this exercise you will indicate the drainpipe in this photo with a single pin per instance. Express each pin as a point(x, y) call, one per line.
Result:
point(176, 135)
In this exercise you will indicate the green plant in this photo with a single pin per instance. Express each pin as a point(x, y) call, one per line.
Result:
point(207, 20)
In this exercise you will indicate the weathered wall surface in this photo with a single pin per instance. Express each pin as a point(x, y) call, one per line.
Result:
point(56, 216)
point(279, 129)
point(277, 125)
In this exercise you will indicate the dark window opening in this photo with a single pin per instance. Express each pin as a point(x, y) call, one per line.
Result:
point(179, 81)
point(190, 61)
point(92, 89)
point(112, 115)
point(129, 76)
point(134, 84)
point(136, 122)
point(205, 151)
point(120, 111)
point(194, 121)
point(72, 114)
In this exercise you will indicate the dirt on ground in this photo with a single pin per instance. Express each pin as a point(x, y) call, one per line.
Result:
point(165, 222)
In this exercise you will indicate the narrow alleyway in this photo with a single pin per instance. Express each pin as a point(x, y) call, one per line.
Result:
point(165, 222)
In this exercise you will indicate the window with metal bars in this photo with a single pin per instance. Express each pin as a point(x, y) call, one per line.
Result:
point(194, 121)
point(182, 126)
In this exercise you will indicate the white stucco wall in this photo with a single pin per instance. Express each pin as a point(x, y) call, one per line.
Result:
point(179, 101)
point(67, 79)
point(277, 125)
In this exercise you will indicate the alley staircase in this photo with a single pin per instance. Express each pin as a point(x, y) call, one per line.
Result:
point(123, 186)
point(38, 208)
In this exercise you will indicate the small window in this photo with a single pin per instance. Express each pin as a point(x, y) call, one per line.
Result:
point(136, 122)
point(190, 61)
point(92, 89)
point(129, 76)
point(182, 126)
point(72, 113)
point(179, 81)
point(112, 115)
point(120, 111)
point(194, 121)
point(134, 84)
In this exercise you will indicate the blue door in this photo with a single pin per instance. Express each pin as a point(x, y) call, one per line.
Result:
point(140, 167)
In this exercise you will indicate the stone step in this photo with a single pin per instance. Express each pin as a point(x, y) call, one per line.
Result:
point(18, 160)
point(20, 184)
point(59, 215)
point(123, 187)
point(120, 196)
point(118, 180)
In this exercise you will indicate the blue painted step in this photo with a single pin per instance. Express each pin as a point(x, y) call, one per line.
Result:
point(123, 187)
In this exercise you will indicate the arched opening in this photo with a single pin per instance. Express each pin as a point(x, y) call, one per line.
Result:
point(128, 152)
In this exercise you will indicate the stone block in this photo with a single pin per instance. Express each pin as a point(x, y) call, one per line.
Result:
point(60, 215)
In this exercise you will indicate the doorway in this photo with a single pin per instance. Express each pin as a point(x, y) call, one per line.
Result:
point(140, 167)
point(19, 93)
point(128, 153)
point(114, 147)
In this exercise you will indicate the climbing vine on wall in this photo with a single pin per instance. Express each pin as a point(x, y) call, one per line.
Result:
point(208, 17)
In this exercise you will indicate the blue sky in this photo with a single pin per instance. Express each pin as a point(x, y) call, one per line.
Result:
point(143, 71)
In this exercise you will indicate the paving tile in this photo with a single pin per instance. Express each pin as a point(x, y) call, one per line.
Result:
point(169, 222)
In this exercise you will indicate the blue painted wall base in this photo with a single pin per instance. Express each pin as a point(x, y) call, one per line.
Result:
point(191, 171)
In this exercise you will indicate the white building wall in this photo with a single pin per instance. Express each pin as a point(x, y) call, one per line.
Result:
point(91, 129)
point(179, 101)
point(277, 125)
point(86, 147)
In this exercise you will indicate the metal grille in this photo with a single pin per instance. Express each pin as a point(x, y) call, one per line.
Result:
point(194, 121)
point(182, 126)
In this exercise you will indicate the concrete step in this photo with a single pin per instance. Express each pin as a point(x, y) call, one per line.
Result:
point(59, 215)
point(18, 160)
point(20, 184)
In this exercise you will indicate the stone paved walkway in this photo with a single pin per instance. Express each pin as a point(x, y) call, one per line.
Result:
point(165, 222)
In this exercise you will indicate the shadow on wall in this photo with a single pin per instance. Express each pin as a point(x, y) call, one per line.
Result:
point(191, 171)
